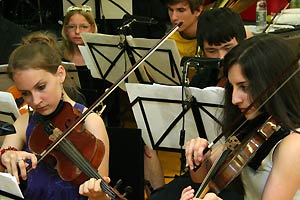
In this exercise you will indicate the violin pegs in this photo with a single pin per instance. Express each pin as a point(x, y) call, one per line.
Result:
point(118, 184)
point(128, 191)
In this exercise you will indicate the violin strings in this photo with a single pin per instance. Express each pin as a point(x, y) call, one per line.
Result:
point(66, 146)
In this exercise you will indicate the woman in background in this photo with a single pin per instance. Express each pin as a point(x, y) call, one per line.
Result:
point(79, 19)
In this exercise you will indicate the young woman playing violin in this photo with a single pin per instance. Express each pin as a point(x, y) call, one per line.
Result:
point(251, 67)
point(35, 67)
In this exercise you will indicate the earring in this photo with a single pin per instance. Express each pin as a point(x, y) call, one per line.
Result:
point(62, 92)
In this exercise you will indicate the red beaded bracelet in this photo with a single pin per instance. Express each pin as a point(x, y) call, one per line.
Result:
point(2, 151)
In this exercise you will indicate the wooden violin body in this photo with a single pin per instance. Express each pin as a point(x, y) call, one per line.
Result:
point(78, 155)
point(86, 143)
point(241, 154)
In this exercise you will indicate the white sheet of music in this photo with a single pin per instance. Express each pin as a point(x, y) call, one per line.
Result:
point(112, 11)
point(107, 59)
point(8, 183)
point(161, 114)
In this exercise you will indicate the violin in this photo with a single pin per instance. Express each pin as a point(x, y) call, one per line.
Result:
point(78, 154)
point(237, 156)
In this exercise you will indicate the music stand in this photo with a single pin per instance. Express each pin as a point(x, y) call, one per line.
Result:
point(68, 3)
point(115, 9)
point(163, 66)
point(72, 73)
point(158, 112)
point(9, 188)
point(9, 112)
point(111, 59)
point(5, 81)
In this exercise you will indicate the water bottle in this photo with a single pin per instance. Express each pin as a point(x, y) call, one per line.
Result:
point(295, 3)
point(261, 15)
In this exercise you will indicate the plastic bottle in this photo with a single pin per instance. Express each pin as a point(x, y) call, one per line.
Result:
point(295, 4)
point(261, 15)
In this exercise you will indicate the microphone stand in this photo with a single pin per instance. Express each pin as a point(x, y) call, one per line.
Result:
point(107, 93)
point(187, 99)
point(124, 46)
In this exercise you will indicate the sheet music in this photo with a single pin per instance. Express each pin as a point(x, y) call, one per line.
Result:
point(5, 81)
point(8, 104)
point(161, 59)
point(89, 61)
point(111, 11)
point(109, 60)
point(161, 114)
point(68, 3)
point(8, 183)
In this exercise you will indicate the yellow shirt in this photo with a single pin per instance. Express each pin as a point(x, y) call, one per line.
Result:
point(186, 47)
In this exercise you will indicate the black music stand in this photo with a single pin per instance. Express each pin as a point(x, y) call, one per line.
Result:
point(111, 56)
point(68, 3)
point(9, 112)
point(158, 112)
point(72, 73)
point(9, 188)
point(5, 81)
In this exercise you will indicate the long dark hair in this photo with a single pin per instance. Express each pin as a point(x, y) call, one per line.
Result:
point(264, 59)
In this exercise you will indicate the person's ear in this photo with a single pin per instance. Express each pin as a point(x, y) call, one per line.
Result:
point(200, 10)
point(61, 73)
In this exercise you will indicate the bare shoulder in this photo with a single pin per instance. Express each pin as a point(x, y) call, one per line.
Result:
point(95, 125)
point(94, 118)
point(292, 141)
point(289, 148)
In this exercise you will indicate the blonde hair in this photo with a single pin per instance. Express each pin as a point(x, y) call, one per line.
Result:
point(86, 12)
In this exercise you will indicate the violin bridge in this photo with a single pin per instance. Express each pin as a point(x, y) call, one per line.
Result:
point(232, 143)
point(55, 135)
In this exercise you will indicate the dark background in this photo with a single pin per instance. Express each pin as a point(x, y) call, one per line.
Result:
point(31, 16)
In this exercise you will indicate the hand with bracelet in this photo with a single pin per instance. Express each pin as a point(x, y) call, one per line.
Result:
point(14, 161)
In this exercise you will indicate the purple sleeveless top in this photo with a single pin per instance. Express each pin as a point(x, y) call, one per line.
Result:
point(44, 181)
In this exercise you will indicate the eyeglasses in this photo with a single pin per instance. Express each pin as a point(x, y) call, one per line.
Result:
point(82, 27)
point(84, 8)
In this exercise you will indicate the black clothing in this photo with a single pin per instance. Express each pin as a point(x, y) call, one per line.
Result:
point(173, 190)
point(92, 88)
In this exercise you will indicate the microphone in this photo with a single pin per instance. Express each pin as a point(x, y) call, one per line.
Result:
point(6, 128)
point(130, 19)
point(140, 19)
point(200, 62)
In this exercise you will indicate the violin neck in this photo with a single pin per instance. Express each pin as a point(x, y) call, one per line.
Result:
point(68, 149)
